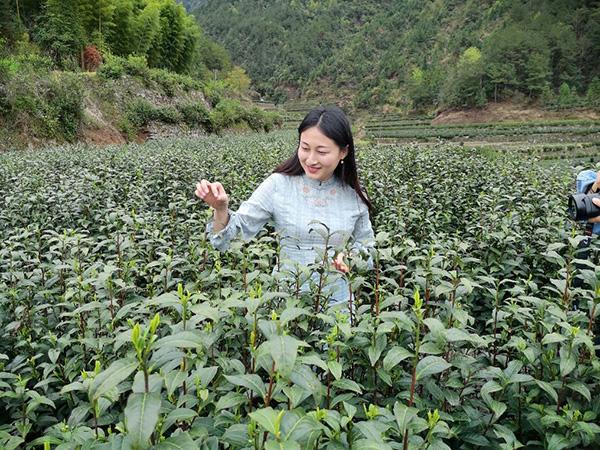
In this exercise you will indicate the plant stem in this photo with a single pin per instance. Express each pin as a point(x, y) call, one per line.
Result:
point(591, 322)
point(377, 287)
point(270, 389)
point(413, 382)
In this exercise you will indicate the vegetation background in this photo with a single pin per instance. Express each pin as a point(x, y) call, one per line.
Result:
point(103, 71)
point(121, 327)
point(414, 54)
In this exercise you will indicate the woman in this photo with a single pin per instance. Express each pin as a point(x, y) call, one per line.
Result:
point(317, 185)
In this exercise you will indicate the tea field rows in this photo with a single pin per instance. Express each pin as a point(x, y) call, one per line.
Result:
point(122, 328)
point(549, 139)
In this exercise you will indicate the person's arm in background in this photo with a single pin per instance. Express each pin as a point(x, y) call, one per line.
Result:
point(594, 189)
point(595, 186)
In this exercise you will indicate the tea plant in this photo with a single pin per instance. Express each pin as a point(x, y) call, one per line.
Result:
point(122, 328)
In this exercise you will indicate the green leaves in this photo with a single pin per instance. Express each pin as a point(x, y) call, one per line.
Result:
point(183, 339)
point(335, 368)
point(394, 356)
point(553, 338)
point(581, 388)
point(250, 381)
point(407, 419)
point(463, 297)
point(283, 350)
point(567, 364)
point(373, 433)
point(141, 416)
point(36, 400)
point(269, 420)
point(305, 378)
point(549, 389)
point(110, 378)
point(181, 441)
point(179, 414)
point(430, 365)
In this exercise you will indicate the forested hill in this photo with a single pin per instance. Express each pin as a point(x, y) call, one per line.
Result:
point(414, 53)
point(190, 5)
point(109, 71)
point(160, 31)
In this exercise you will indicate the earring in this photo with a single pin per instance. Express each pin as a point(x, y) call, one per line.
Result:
point(341, 161)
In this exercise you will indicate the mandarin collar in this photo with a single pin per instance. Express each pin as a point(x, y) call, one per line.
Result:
point(316, 184)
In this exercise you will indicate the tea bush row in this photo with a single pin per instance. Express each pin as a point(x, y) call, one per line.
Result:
point(50, 105)
point(116, 67)
point(467, 131)
point(227, 114)
point(384, 125)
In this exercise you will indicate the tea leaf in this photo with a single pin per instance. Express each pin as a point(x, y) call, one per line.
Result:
point(141, 416)
point(394, 356)
point(181, 441)
point(183, 339)
point(283, 350)
point(249, 381)
point(431, 365)
point(110, 378)
point(267, 419)
point(178, 414)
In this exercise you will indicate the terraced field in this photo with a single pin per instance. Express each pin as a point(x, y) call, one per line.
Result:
point(576, 142)
point(573, 140)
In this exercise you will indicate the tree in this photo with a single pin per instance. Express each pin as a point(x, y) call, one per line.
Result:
point(501, 76)
point(563, 59)
point(593, 93)
point(465, 84)
point(10, 22)
point(97, 19)
point(120, 38)
point(60, 32)
point(537, 73)
point(516, 60)
point(565, 96)
point(145, 27)
point(237, 80)
point(29, 11)
point(423, 87)
point(213, 55)
point(171, 49)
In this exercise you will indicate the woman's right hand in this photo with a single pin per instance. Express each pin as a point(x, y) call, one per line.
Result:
point(213, 194)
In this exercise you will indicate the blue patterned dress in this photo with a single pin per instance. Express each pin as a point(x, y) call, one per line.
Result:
point(297, 206)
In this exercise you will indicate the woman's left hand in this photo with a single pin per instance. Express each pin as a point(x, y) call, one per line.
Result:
point(339, 263)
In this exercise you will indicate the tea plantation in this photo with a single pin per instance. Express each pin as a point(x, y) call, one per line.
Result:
point(121, 328)
point(565, 139)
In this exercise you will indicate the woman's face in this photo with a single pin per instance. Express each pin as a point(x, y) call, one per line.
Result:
point(319, 155)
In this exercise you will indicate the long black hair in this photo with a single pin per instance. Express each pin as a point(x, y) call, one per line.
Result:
point(333, 123)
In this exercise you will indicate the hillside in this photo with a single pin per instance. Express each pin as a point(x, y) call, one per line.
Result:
point(114, 71)
point(191, 5)
point(414, 55)
point(121, 102)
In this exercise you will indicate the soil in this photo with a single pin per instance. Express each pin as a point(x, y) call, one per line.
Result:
point(102, 136)
point(508, 112)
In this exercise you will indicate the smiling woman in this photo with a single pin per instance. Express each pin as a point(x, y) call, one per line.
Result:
point(316, 188)
point(319, 156)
